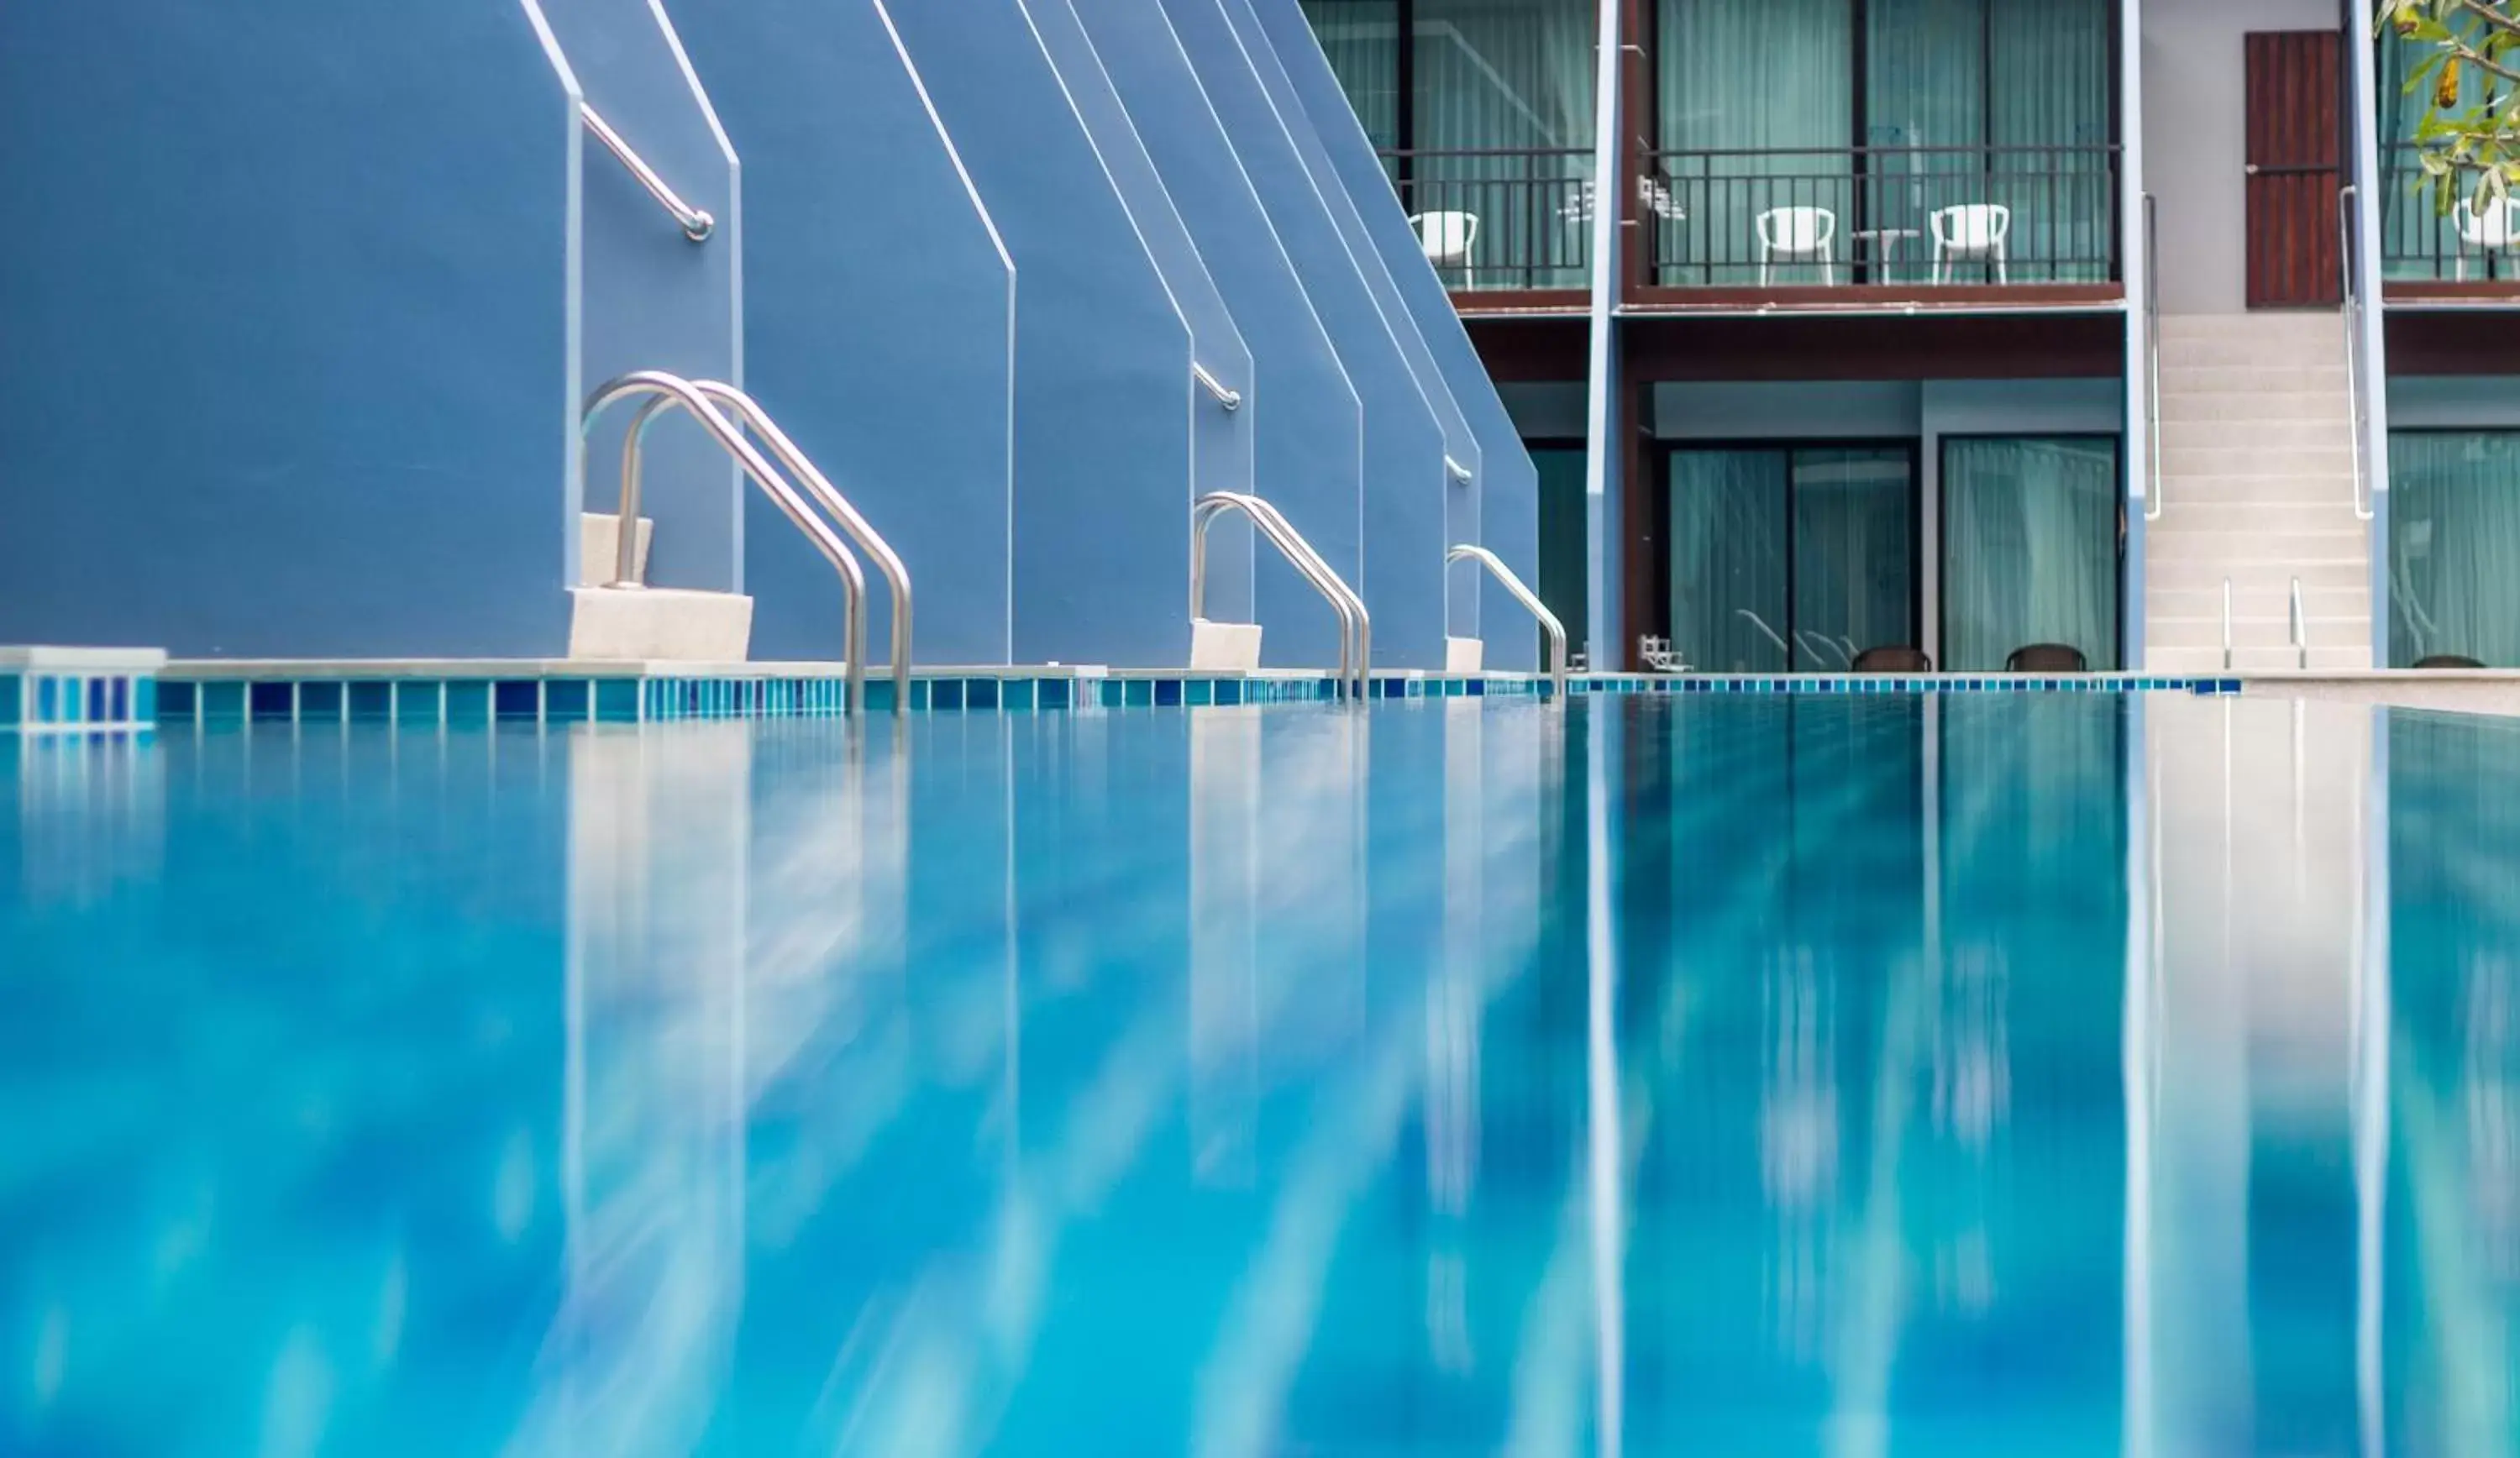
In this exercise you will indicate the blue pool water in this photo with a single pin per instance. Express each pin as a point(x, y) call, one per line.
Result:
point(1836, 1076)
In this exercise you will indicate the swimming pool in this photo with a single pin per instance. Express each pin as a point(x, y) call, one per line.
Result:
point(1944, 1075)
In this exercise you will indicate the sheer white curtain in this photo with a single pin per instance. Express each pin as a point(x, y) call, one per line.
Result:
point(1728, 610)
point(1769, 74)
point(1361, 39)
point(1854, 512)
point(2029, 548)
point(1514, 75)
point(2455, 537)
point(2049, 87)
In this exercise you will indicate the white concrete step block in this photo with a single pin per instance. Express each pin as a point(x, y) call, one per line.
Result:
point(2242, 460)
point(599, 539)
point(1224, 648)
point(2249, 632)
point(2184, 516)
point(2205, 575)
point(1465, 655)
point(2273, 601)
point(2323, 430)
point(2252, 407)
point(2293, 325)
point(2272, 491)
point(2284, 378)
point(657, 623)
point(2254, 547)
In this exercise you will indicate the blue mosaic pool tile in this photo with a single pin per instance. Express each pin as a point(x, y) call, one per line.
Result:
point(318, 701)
point(945, 694)
point(1139, 693)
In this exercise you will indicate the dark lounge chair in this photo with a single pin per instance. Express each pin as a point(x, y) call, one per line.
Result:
point(2046, 658)
point(1894, 659)
point(2448, 660)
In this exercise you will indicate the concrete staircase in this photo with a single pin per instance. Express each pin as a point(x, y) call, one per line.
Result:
point(651, 624)
point(2257, 465)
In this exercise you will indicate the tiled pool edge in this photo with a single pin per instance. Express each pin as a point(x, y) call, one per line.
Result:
point(46, 691)
point(537, 692)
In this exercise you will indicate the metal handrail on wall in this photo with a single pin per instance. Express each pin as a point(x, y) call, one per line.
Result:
point(2152, 358)
point(2356, 412)
point(695, 222)
point(1231, 399)
point(2227, 625)
point(1531, 604)
point(1356, 626)
point(896, 574)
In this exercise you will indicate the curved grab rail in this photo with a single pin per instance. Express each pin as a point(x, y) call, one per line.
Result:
point(2300, 628)
point(1231, 399)
point(695, 222)
point(1531, 604)
point(764, 474)
point(1362, 620)
point(1356, 626)
point(868, 540)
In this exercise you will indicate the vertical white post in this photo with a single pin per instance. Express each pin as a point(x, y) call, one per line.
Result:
point(2135, 268)
point(2363, 64)
point(1603, 646)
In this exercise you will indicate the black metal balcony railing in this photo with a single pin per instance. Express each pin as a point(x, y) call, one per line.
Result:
point(2420, 242)
point(1904, 215)
point(1515, 218)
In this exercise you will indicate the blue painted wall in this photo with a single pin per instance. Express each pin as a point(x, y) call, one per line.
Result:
point(1306, 423)
point(879, 322)
point(1220, 447)
point(1408, 527)
point(283, 328)
point(1506, 511)
point(651, 298)
point(1391, 548)
point(1101, 356)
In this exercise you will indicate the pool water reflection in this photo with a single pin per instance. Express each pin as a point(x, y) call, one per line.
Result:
point(1849, 1076)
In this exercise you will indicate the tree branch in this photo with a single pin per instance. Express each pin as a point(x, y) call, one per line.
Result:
point(2467, 52)
point(2491, 15)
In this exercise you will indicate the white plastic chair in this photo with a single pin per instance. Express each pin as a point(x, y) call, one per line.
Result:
point(1798, 233)
point(2493, 231)
point(1448, 237)
point(1970, 231)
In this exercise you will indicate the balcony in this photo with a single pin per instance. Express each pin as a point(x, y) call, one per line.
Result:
point(1847, 227)
point(2468, 251)
point(1500, 219)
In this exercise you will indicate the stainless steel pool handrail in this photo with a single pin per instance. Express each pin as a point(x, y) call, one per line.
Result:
point(836, 506)
point(1356, 626)
point(657, 382)
point(1531, 604)
point(2300, 626)
point(695, 222)
point(1761, 624)
point(1231, 399)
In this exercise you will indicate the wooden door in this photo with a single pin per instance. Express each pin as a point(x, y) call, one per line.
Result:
point(2296, 119)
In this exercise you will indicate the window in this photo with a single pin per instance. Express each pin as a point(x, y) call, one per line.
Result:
point(1791, 559)
point(2455, 545)
point(2030, 549)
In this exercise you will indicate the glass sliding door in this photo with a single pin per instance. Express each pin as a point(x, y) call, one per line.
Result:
point(1729, 593)
point(1758, 114)
point(1501, 129)
point(1361, 39)
point(1855, 554)
point(1565, 565)
point(1792, 559)
point(2455, 545)
point(2030, 549)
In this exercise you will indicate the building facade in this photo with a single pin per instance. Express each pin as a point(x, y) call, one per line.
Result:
point(1964, 326)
